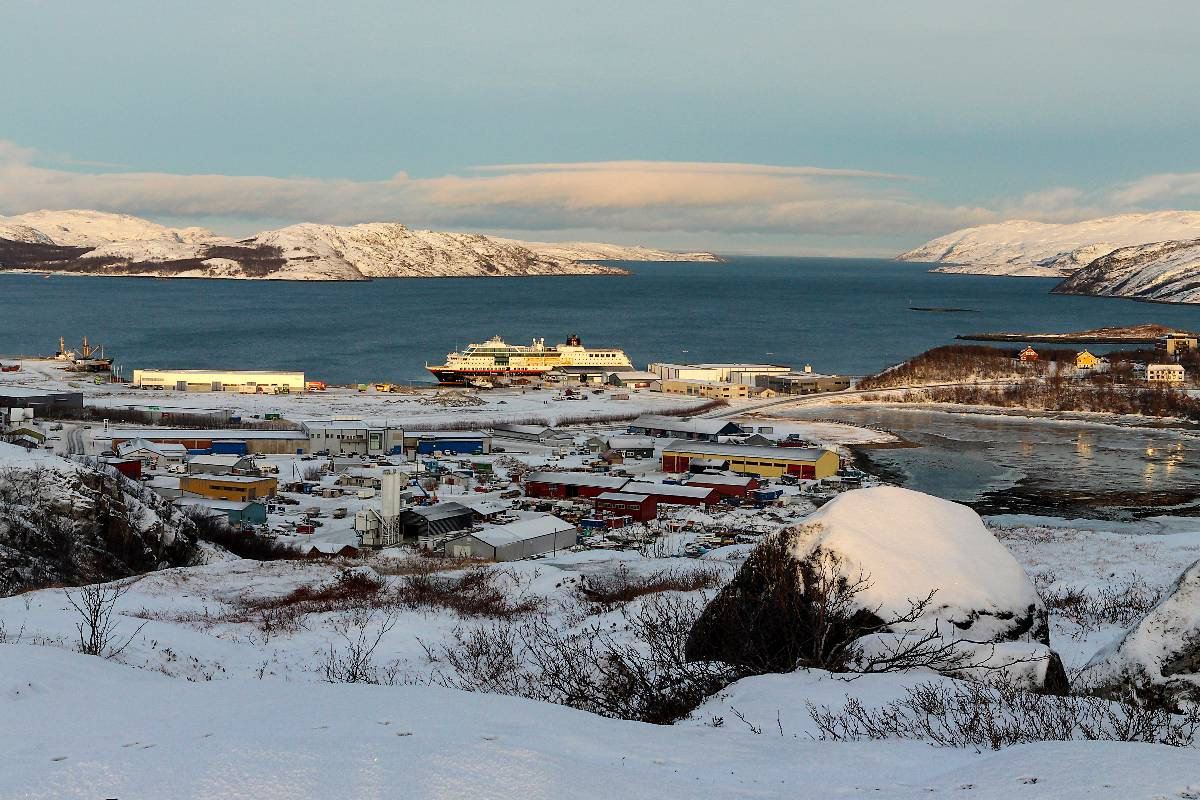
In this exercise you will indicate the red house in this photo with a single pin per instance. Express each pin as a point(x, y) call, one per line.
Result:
point(1028, 354)
point(565, 485)
point(641, 507)
point(726, 485)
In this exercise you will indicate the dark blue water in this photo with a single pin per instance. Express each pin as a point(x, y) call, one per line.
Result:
point(840, 315)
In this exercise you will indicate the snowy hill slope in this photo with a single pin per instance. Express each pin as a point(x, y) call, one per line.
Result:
point(1025, 248)
point(1167, 272)
point(598, 251)
point(98, 243)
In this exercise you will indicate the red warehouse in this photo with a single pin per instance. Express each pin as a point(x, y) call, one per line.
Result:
point(641, 507)
point(674, 494)
point(570, 484)
point(726, 485)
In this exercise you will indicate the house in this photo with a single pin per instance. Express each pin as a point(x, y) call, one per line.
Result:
point(674, 494)
point(1085, 360)
point(765, 462)
point(726, 485)
point(1027, 355)
point(237, 512)
point(1175, 343)
point(163, 453)
point(566, 485)
point(28, 438)
point(631, 379)
point(527, 537)
point(361, 478)
point(328, 550)
point(228, 487)
point(641, 507)
point(631, 446)
point(1165, 373)
point(219, 464)
point(683, 427)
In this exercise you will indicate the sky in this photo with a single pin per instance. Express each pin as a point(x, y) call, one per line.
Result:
point(841, 128)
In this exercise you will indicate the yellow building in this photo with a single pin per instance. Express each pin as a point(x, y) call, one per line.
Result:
point(1086, 360)
point(228, 487)
point(763, 461)
point(205, 380)
point(712, 390)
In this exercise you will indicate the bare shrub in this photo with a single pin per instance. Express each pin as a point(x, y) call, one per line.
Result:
point(1120, 604)
point(621, 586)
point(312, 472)
point(478, 592)
point(216, 530)
point(635, 670)
point(98, 619)
point(352, 659)
point(974, 715)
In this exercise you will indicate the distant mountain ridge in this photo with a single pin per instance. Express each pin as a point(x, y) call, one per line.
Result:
point(100, 243)
point(1026, 248)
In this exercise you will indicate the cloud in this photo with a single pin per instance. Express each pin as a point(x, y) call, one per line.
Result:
point(1169, 187)
point(632, 196)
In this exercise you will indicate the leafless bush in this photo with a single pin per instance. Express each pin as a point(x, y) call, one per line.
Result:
point(963, 363)
point(352, 659)
point(478, 592)
point(621, 586)
point(215, 529)
point(98, 618)
point(636, 670)
point(312, 472)
point(974, 715)
point(1120, 604)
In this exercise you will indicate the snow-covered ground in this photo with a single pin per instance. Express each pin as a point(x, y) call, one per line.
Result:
point(1164, 272)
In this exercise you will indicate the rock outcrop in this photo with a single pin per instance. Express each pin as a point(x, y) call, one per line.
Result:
point(1165, 272)
point(879, 571)
point(1158, 660)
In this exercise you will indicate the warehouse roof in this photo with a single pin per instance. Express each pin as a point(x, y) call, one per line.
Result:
point(522, 530)
point(218, 460)
point(719, 480)
point(445, 435)
point(685, 424)
point(745, 450)
point(216, 505)
point(340, 424)
point(441, 510)
point(635, 375)
point(576, 479)
point(623, 497)
point(162, 448)
point(227, 478)
point(666, 489)
point(152, 434)
point(24, 391)
point(630, 443)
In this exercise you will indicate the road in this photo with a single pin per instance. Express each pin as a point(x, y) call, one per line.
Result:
point(825, 397)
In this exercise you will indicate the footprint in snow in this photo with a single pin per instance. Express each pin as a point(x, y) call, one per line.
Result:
point(488, 738)
point(404, 733)
point(59, 758)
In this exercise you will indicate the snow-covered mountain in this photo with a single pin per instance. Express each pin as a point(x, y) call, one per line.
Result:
point(98, 243)
point(1168, 272)
point(598, 251)
point(1025, 248)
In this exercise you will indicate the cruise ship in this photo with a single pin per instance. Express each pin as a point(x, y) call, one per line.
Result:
point(497, 359)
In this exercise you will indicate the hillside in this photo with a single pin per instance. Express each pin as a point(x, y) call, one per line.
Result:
point(1167, 272)
point(99, 243)
point(1025, 248)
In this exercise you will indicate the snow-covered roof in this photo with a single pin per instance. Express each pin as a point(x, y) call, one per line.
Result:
point(521, 530)
point(445, 435)
point(630, 443)
point(198, 433)
point(228, 478)
point(483, 507)
point(746, 450)
point(215, 505)
point(623, 497)
point(666, 489)
point(698, 425)
point(577, 479)
point(215, 460)
point(161, 448)
point(719, 480)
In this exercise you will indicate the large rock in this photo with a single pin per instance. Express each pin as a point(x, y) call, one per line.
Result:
point(1158, 661)
point(887, 566)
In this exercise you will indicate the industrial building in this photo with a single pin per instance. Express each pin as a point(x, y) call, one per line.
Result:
point(765, 462)
point(638, 507)
point(674, 493)
point(219, 464)
point(257, 442)
point(532, 536)
point(571, 484)
point(806, 382)
point(237, 512)
point(631, 380)
point(228, 487)
point(540, 434)
point(40, 400)
point(721, 373)
point(352, 435)
point(713, 390)
point(203, 380)
point(164, 453)
point(725, 485)
point(1175, 343)
point(631, 446)
point(427, 522)
point(709, 430)
point(451, 442)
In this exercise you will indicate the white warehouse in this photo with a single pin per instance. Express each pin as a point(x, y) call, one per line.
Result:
point(203, 380)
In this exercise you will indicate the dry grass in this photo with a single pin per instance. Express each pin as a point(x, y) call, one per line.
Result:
point(622, 586)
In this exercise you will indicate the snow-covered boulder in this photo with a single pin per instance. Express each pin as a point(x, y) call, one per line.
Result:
point(889, 566)
point(1158, 660)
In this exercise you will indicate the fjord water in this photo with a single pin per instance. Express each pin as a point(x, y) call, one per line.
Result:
point(840, 315)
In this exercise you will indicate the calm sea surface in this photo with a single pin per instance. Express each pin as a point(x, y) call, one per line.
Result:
point(840, 315)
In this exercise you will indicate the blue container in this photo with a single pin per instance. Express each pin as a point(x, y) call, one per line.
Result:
point(230, 448)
